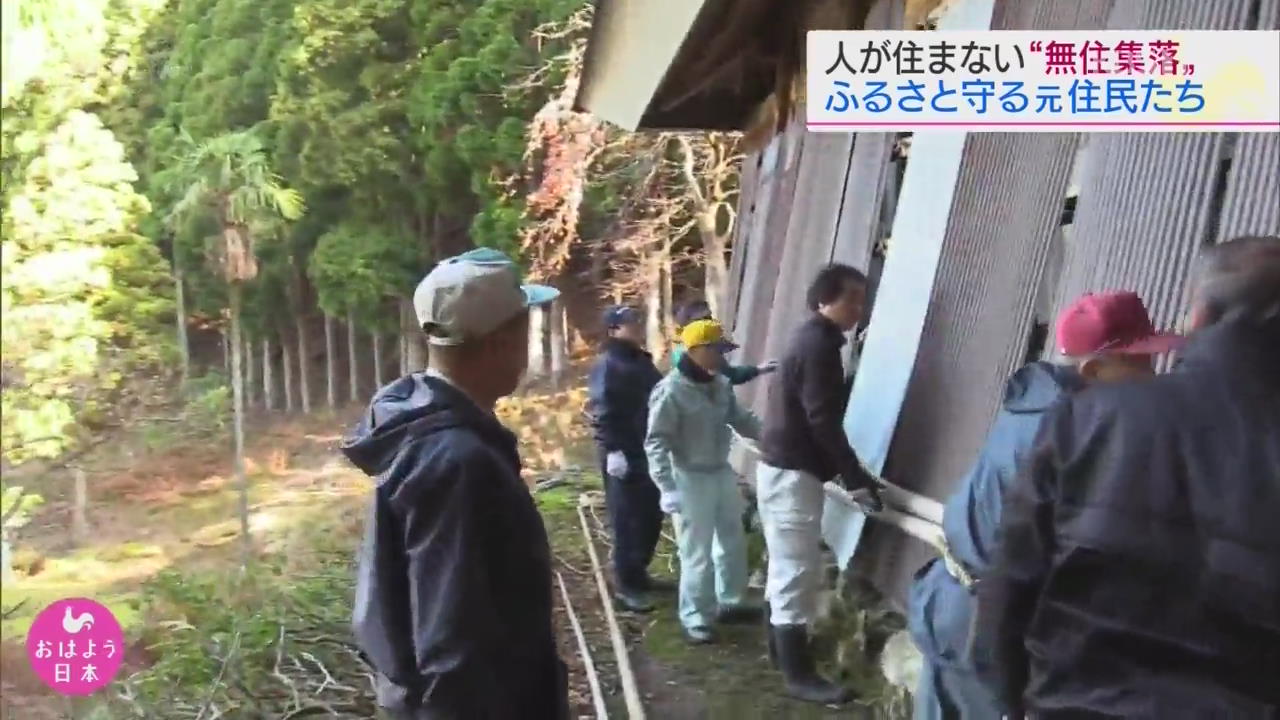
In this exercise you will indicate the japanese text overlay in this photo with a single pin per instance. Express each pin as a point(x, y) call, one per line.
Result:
point(1046, 81)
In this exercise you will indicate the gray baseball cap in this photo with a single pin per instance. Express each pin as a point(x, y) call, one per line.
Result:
point(470, 295)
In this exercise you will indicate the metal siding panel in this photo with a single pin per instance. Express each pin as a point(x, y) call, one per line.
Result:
point(1251, 205)
point(769, 239)
point(1269, 15)
point(857, 229)
point(1146, 200)
point(1008, 200)
point(749, 184)
point(1003, 221)
point(1179, 15)
point(1138, 225)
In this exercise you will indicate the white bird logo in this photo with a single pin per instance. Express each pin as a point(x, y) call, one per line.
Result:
point(74, 624)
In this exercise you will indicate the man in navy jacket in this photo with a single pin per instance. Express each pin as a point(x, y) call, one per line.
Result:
point(453, 597)
point(618, 402)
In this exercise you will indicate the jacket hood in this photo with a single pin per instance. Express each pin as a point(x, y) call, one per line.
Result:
point(413, 406)
point(1035, 387)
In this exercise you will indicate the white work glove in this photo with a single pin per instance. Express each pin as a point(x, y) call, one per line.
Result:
point(768, 367)
point(669, 502)
point(615, 463)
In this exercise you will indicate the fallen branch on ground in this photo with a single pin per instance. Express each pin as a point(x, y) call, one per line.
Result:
point(13, 610)
point(630, 691)
point(597, 696)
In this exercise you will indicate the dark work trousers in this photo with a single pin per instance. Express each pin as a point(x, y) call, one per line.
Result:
point(637, 523)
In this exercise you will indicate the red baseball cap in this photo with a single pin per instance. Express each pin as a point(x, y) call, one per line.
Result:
point(1111, 322)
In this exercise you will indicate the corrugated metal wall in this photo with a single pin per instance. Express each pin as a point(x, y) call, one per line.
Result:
point(1149, 202)
point(1004, 216)
point(1251, 204)
point(1146, 203)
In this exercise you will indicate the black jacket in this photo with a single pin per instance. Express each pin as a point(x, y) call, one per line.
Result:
point(1138, 567)
point(804, 421)
point(453, 601)
point(618, 399)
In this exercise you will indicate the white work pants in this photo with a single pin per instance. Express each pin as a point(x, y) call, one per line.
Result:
point(790, 505)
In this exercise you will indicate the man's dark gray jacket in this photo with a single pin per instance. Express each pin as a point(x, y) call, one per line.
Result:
point(453, 602)
point(1138, 569)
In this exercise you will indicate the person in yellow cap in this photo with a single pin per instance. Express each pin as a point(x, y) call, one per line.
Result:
point(691, 413)
point(697, 310)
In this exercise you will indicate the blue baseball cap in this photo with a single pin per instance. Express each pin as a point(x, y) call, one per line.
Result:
point(616, 316)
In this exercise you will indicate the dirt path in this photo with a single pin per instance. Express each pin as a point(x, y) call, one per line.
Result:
point(730, 680)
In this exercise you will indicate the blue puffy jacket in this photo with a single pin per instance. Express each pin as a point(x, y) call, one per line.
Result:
point(941, 609)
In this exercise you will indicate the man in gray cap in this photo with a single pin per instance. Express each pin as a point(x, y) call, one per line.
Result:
point(453, 602)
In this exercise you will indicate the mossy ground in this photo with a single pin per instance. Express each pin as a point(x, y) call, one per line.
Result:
point(732, 679)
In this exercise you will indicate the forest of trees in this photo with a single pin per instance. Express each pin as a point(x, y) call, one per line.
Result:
point(279, 173)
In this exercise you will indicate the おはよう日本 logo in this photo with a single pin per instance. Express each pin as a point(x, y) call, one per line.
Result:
point(76, 646)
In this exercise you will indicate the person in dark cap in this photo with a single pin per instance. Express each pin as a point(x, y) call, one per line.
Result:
point(1137, 571)
point(1102, 337)
point(697, 310)
point(618, 402)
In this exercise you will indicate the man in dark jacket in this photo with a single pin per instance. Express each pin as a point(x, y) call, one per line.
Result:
point(453, 601)
point(1138, 566)
point(803, 446)
point(1112, 337)
point(618, 402)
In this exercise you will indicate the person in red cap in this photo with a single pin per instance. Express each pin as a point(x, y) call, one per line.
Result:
point(1103, 337)
point(1137, 573)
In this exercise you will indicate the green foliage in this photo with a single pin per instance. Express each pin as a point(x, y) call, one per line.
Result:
point(85, 299)
point(230, 179)
point(357, 266)
point(21, 504)
point(470, 109)
point(208, 404)
point(205, 417)
point(140, 131)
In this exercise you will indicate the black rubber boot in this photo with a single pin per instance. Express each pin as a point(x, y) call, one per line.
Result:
point(796, 661)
